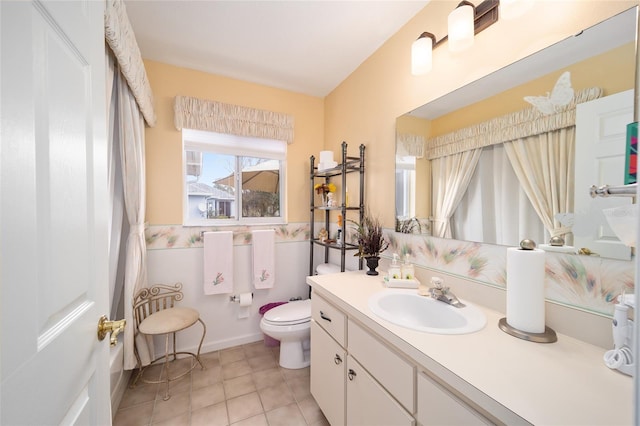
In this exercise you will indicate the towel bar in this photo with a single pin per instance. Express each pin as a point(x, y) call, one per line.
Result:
point(613, 191)
point(235, 232)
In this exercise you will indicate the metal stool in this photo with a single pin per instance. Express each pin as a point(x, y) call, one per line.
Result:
point(155, 314)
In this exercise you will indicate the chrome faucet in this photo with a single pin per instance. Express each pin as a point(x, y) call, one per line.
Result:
point(441, 293)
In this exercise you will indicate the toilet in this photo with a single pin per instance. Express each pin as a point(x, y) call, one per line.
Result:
point(290, 324)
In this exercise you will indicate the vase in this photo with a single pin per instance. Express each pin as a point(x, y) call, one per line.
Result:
point(372, 264)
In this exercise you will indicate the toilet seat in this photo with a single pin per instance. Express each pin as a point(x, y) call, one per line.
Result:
point(292, 313)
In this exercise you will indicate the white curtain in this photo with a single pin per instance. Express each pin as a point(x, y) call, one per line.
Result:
point(131, 133)
point(495, 209)
point(129, 91)
point(451, 175)
point(118, 225)
point(544, 165)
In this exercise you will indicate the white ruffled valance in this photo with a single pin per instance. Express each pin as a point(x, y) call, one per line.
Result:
point(122, 41)
point(410, 144)
point(509, 127)
point(200, 114)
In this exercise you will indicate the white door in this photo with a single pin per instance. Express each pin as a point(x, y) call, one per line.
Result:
point(601, 127)
point(53, 239)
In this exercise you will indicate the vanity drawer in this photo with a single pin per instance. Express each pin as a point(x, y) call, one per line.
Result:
point(330, 318)
point(391, 370)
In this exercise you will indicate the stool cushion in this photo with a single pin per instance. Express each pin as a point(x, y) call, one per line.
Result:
point(169, 320)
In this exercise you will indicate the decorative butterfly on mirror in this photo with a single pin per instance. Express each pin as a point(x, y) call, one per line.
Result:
point(561, 95)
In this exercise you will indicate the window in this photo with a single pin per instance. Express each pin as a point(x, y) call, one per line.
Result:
point(495, 209)
point(405, 186)
point(232, 179)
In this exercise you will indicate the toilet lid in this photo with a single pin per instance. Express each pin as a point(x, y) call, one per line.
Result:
point(290, 313)
point(327, 268)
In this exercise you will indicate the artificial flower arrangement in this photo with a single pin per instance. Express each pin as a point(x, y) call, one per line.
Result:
point(324, 188)
point(369, 235)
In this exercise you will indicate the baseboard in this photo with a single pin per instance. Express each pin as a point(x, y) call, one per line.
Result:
point(219, 345)
point(118, 392)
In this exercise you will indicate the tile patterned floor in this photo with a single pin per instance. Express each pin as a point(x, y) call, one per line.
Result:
point(241, 386)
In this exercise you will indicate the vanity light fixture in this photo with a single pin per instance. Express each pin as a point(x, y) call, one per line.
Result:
point(460, 27)
point(465, 21)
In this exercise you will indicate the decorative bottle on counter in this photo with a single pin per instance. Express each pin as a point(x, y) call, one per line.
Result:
point(407, 270)
point(394, 270)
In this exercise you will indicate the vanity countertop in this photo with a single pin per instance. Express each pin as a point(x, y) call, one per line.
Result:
point(561, 383)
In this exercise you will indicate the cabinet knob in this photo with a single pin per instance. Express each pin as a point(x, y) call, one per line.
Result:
point(351, 374)
point(337, 360)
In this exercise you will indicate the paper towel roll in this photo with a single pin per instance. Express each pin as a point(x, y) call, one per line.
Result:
point(525, 289)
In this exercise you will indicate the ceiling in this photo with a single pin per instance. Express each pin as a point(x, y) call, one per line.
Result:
point(303, 46)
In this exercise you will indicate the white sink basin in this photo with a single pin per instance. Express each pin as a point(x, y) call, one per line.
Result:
point(421, 313)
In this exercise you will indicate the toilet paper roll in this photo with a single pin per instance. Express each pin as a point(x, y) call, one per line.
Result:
point(246, 299)
point(326, 157)
point(525, 290)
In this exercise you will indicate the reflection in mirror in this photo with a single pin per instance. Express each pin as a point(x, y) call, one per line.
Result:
point(487, 130)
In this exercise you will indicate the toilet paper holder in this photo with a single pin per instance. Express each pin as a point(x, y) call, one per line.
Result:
point(236, 298)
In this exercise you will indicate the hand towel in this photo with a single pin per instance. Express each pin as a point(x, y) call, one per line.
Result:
point(218, 262)
point(263, 258)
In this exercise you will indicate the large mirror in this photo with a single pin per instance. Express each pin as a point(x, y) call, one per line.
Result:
point(599, 63)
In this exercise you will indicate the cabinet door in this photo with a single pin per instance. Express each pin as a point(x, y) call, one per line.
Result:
point(437, 406)
point(328, 362)
point(368, 403)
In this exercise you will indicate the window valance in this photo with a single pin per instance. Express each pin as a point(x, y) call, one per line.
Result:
point(509, 127)
point(200, 114)
point(122, 41)
point(410, 144)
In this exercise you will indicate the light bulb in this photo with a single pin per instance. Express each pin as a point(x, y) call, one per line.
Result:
point(461, 29)
point(421, 55)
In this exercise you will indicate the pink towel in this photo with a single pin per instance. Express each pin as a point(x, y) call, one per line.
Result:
point(218, 262)
point(264, 248)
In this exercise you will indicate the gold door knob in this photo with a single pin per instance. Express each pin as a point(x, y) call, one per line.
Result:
point(114, 327)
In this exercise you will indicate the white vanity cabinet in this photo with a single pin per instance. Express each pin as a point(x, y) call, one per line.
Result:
point(368, 403)
point(328, 372)
point(359, 379)
point(358, 393)
point(328, 360)
point(438, 406)
point(487, 377)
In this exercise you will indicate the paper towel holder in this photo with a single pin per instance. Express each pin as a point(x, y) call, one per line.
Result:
point(236, 298)
point(549, 336)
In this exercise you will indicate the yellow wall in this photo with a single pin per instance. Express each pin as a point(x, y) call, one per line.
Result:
point(164, 142)
point(613, 72)
point(363, 108)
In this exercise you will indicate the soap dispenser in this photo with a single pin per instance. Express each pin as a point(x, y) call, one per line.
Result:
point(407, 268)
point(395, 272)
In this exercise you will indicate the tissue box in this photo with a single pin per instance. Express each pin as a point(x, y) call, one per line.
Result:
point(631, 157)
point(397, 283)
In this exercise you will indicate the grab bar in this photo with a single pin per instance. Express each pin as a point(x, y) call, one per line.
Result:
point(613, 191)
